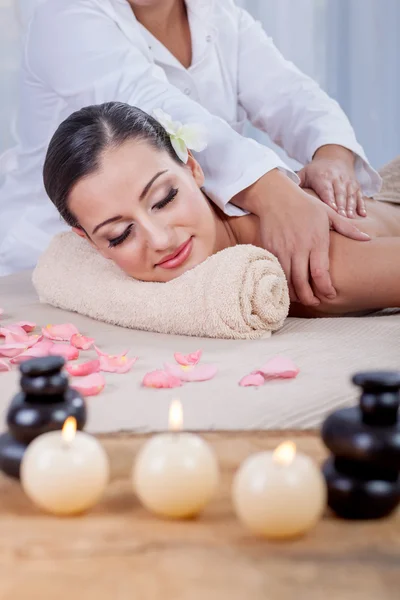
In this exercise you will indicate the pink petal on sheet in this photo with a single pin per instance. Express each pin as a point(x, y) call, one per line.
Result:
point(26, 326)
point(13, 334)
point(33, 340)
point(12, 338)
point(91, 385)
point(192, 373)
point(252, 379)
point(4, 366)
point(12, 350)
point(279, 367)
point(116, 364)
point(81, 342)
point(188, 359)
point(65, 350)
point(160, 379)
point(40, 349)
point(86, 368)
point(60, 333)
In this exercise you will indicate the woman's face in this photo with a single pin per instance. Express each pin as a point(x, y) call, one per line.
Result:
point(146, 212)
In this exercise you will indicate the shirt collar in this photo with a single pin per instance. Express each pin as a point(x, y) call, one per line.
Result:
point(201, 29)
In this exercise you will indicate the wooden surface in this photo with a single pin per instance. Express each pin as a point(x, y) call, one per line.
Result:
point(119, 551)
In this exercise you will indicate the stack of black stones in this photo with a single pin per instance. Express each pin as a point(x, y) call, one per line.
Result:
point(363, 475)
point(43, 404)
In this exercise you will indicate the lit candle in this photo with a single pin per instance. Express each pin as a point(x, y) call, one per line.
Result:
point(175, 474)
point(65, 472)
point(279, 494)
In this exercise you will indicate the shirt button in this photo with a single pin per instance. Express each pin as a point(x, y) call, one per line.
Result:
point(187, 91)
point(208, 38)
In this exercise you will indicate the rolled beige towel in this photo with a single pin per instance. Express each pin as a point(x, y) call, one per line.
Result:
point(239, 293)
point(390, 174)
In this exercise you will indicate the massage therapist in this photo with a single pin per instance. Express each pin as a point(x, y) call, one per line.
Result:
point(202, 61)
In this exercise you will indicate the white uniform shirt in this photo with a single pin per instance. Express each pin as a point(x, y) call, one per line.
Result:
point(93, 51)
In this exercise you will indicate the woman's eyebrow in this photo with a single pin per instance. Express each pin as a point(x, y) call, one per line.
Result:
point(152, 180)
point(142, 195)
point(117, 218)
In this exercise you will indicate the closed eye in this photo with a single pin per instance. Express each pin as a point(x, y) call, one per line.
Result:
point(171, 195)
point(121, 238)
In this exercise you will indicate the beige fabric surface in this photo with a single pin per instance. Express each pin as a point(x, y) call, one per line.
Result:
point(239, 293)
point(327, 351)
point(390, 174)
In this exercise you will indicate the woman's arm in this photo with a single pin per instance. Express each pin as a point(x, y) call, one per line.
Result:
point(290, 106)
point(366, 277)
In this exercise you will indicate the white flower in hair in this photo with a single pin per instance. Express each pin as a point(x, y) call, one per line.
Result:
point(183, 137)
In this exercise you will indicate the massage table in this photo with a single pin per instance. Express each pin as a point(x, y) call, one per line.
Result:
point(327, 351)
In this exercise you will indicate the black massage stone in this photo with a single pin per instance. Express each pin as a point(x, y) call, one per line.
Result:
point(43, 404)
point(363, 473)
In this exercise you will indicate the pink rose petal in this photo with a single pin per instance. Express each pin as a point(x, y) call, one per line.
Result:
point(12, 338)
point(4, 366)
point(27, 326)
point(13, 334)
point(65, 350)
point(91, 385)
point(81, 342)
point(33, 340)
point(116, 364)
point(188, 359)
point(279, 367)
point(86, 368)
point(192, 373)
point(160, 379)
point(252, 379)
point(12, 350)
point(40, 349)
point(59, 333)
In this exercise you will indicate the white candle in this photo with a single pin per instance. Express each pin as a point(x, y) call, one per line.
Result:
point(175, 474)
point(280, 494)
point(66, 472)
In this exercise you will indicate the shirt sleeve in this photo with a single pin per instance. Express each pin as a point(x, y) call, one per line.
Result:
point(79, 51)
point(290, 106)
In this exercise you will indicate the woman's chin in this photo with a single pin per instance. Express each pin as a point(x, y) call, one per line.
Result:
point(160, 274)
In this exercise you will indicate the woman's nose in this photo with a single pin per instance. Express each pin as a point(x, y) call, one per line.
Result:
point(161, 238)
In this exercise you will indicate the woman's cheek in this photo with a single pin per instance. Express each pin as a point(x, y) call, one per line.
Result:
point(131, 259)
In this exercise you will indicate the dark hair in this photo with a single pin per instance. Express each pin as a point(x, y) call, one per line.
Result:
point(76, 147)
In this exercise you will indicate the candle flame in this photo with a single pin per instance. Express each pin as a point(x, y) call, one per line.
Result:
point(285, 453)
point(175, 416)
point(69, 430)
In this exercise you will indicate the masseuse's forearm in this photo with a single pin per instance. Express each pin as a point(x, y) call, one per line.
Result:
point(268, 189)
point(366, 276)
point(335, 152)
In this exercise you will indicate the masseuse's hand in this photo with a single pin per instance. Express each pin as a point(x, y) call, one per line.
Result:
point(331, 175)
point(295, 228)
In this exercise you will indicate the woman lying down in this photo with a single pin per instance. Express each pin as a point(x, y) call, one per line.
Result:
point(115, 178)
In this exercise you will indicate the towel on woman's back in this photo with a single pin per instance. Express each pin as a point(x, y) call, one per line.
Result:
point(238, 293)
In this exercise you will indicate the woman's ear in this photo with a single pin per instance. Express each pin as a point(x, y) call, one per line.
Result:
point(196, 169)
point(79, 232)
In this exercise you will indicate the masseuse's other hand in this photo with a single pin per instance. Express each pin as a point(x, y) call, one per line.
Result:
point(331, 175)
point(295, 228)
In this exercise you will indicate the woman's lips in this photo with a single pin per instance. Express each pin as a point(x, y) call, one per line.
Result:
point(179, 257)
